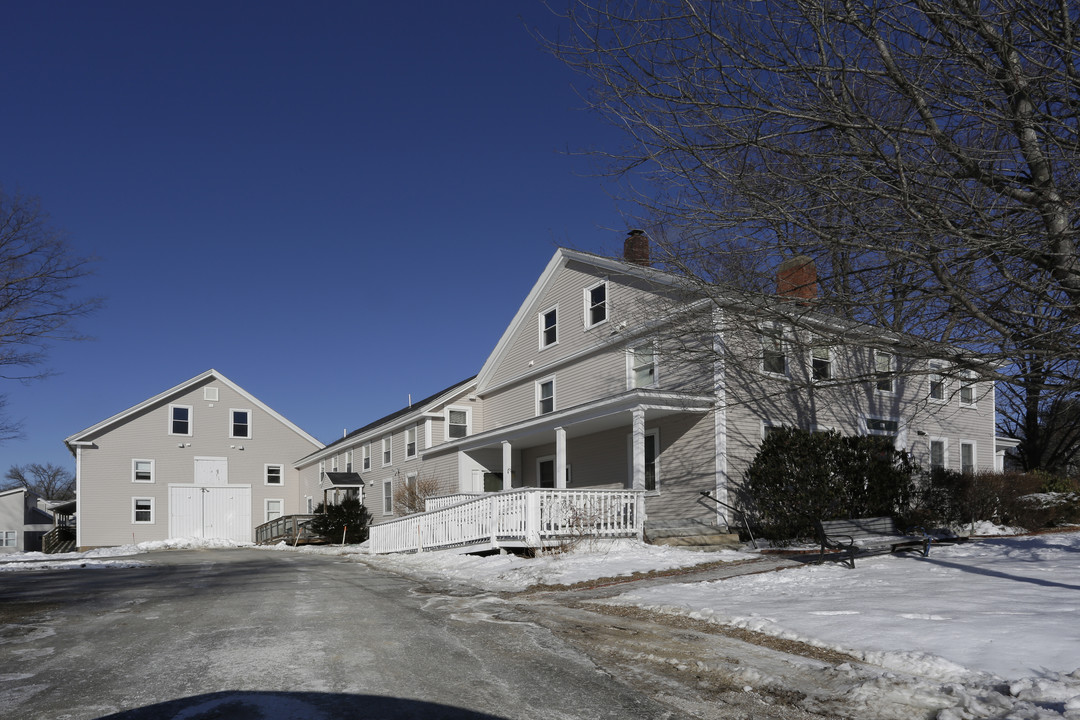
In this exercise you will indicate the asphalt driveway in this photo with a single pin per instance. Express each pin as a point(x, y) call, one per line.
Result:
point(252, 634)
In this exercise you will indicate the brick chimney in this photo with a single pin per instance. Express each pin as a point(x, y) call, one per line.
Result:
point(796, 278)
point(636, 248)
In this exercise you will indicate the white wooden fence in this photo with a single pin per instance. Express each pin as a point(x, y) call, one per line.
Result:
point(524, 517)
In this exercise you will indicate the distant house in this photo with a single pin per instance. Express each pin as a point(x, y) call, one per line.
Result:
point(24, 520)
point(586, 394)
point(202, 459)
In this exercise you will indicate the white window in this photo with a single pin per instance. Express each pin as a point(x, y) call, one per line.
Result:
point(365, 457)
point(142, 471)
point(967, 389)
point(410, 442)
point(882, 426)
point(142, 511)
point(387, 451)
point(821, 364)
point(939, 453)
point(549, 327)
point(773, 353)
point(936, 383)
point(967, 456)
point(348, 461)
point(9, 538)
point(641, 366)
point(273, 509)
point(274, 474)
point(596, 305)
point(388, 497)
point(180, 420)
point(333, 464)
point(309, 503)
point(240, 424)
point(545, 396)
point(884, 371)
point(210, 394)
point(458, 422)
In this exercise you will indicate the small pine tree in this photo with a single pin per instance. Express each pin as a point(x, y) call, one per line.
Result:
point(349, 518)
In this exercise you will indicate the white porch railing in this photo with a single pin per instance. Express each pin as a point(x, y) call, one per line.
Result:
point(524, 517)
point(441, 501)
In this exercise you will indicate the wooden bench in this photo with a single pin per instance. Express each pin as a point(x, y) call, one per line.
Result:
point(867, 536)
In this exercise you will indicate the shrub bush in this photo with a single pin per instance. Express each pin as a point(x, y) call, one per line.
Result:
point(348, 519)
point(798, 477)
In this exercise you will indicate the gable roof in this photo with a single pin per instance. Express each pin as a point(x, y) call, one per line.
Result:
point(82, 436)
point(558, 261)
point(418, 407)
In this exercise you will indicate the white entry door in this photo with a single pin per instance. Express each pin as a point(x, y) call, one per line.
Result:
point(211, 471)
point(199, 511)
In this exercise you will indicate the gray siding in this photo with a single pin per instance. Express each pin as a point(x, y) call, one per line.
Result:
point(107, 490)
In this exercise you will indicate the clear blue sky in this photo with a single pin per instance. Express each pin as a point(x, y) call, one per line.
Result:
point(335, 204)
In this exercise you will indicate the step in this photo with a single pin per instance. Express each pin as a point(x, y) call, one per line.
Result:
point(700, 542)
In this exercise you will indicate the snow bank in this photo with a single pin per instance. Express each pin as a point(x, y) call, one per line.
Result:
point(616, 558)
point(12, 562)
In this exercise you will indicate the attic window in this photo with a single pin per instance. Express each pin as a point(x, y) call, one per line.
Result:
point(596, 310)
point(549, 327)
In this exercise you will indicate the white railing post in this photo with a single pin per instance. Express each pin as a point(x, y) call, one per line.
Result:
point(493, 521)
point(532, 518)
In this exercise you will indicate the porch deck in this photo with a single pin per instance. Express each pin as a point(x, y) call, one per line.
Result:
point(522, 517)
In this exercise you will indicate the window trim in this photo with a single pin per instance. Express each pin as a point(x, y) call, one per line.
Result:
point(266, 508)
point(281, 474)
point(886, 376)
point(967, 382)
point(348, 461)
point(415, 443)
point(539, 387)
point(974, 455)
point(542, 327)
point(936, 370)
point(930, 441)
point(388, 497)
point(233, 423)
point(885, 419)
point(14, 535)
point(135, 473)
point(606, 304)
point(135, 511)
point(387, 451)
point(829, 361)
point(365, 457)
point(631, 366)
point(190, 420)
point(773, 331)
point(447, 424)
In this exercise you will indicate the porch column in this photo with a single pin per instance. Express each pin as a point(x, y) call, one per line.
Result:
point(639, 449)
point(508, 464)
point(560, 458)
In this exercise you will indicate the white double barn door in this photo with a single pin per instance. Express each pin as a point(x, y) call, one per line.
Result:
point(210, 507)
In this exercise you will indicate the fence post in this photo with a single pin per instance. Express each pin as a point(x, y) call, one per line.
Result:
point(493, 521)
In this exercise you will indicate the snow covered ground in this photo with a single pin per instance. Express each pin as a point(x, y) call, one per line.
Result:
point(996, 622)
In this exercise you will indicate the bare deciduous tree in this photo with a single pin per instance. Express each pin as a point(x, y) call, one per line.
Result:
point(924, 153)
point(412, 493)
point(51, 482)
point(38, 274)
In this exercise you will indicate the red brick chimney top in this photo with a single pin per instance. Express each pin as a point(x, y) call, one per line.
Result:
point(797, 278)
point(636, 248)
